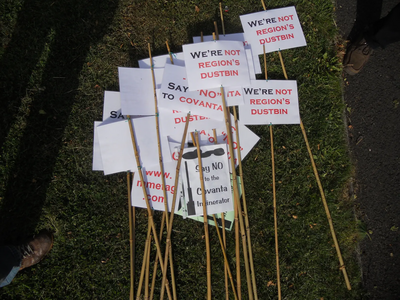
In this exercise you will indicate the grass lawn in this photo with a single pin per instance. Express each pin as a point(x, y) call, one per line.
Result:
point(56, 60)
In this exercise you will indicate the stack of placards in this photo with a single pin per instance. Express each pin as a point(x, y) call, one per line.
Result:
point(192, 81)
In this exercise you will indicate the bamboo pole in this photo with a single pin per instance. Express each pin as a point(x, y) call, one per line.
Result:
point(263, 4)
point(236, 194)
point(223, 233)
point(265, 63)
point(169, 52)
point(168, 240)
point(278, 276)
point(216, 30)
point(145, 253)
point(162, 168)
point(146, 283)
point(271, 134)
point(131, 213)
point(222, 18)
point(204, 218)
point(155, 267)
point(342, 266)
point(149, 210)
point(246, 219)
point(225, 257)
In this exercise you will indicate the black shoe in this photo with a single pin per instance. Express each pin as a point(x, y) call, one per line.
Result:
point(356, 56)
point(35, 249)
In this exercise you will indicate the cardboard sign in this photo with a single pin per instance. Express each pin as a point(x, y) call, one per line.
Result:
point(217, 184)
point(277, 29)
point(270, 102)
point(136, 90)
point(161, 60)
point(252, 60)
point(112, 107)
point(172, 123)
point(153, 184)
point(116, 145)
point(97, 164)
point(248, 139)
point(175, 95)
point(215, 64)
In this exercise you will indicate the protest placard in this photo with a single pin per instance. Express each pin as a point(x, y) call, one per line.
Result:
point(160, 61)
point(97, 164)
point(112, 107)
point(212, 64)
point(270, 102)
point(252, 59)
point(175, 95)
point(152, 178)
point(172, 123)
point(116, 145)
point(136, 90)
point(277, 29)
point(248, 139)
point(217, 185)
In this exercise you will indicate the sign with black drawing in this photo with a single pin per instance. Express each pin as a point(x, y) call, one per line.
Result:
point(217, 186)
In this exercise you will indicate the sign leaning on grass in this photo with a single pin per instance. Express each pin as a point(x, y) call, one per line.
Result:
point(270, 102)
point(277, 29)
point(212, 64)
point(217, 183)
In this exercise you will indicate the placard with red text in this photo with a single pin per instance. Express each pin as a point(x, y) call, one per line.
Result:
point(270, 102)
point(277, 29)
point(215, 64)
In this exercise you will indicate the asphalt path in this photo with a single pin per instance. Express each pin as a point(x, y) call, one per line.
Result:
point(373, 120)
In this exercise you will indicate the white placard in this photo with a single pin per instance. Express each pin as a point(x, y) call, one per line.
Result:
point(97, 164)
point(116, 145)
point(136, 90)
point(270, 102)
point(248, 139)
point(112, 107)
point(175, 95)
point(172, 123)
point(161, 60)
point(217, 185)
point(277, 29)
point(215, 64)
point(153, 182)
point(253, 60)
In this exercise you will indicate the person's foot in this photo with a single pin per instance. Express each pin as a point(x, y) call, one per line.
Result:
point(356, 56)
point(35, 249)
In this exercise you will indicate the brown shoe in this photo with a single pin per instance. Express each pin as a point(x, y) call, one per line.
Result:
point(356, 56)
point(35, 249)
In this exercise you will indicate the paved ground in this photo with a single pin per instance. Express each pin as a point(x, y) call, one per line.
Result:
point(373, 99)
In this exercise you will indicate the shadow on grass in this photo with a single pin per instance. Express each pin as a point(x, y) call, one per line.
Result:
point(64, 32)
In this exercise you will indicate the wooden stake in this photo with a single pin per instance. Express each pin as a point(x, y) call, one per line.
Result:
point(149, 210)
point(131, 212)
point(216, 29)
point(223, 231)
point(222, 18)
point(168, 240)
point(205, 218)
point(342, 266)
point(225, 258)
point(169, 52)
point(146, 283)
point(253, 275)
point(263, 4)
point(236, 194)
point(161, 167)
point(265, 63)
point(271, 134)
point(145, 253)
point(278, 276)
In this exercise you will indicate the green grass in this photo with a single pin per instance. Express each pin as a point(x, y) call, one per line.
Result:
point(56, 60)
